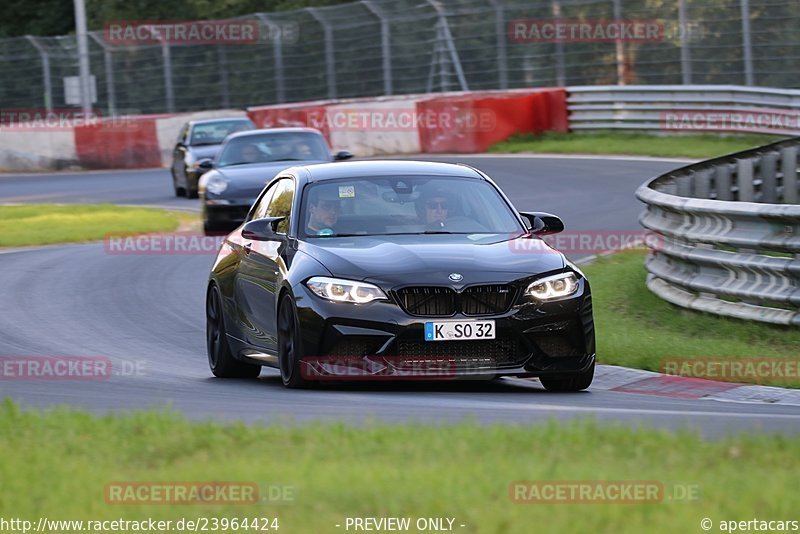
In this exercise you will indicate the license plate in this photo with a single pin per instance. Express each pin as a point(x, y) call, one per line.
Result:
point(453, 330)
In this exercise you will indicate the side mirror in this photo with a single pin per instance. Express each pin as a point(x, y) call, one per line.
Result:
point(205, 164)
point(261, 229)
point(343, 155)
point(542, 223)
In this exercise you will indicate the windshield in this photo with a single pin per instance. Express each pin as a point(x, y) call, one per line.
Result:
point(214, 133)
point(405, 205)
point(266, 147)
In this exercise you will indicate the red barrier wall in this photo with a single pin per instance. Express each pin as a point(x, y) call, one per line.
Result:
point(472, 123)
point(128, 142)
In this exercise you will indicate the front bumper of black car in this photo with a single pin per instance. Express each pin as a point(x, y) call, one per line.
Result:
point(343, 341)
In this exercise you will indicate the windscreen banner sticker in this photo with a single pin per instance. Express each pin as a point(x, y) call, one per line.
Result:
point(347, 191)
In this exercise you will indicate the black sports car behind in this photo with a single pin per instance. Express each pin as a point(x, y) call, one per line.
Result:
point(247, 162)
point(396, 269)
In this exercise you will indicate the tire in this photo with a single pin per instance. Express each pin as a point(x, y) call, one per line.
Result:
point(576, 382)
point(179, 191)
point(220, 358)
point(289, 351)
point(191, 192)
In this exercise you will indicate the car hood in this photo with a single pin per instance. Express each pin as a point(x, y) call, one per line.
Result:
point(430, 259)
point(204, 151)
point(247, 181)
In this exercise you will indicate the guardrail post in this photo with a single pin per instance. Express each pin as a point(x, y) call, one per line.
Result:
point(277, 54)
point(702, 184)
point(769, 183)
point(684, 185)
point(789, 172)
point(386, 46)
point(747, 46)
point(109, 68)
point(48, 85)
point(722, 182)
point(744, 180)
point(330, 66)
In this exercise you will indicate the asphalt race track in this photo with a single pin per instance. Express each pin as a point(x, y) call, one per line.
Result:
point(146, 314)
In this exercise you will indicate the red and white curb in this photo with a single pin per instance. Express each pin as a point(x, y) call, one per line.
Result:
point(625, 380)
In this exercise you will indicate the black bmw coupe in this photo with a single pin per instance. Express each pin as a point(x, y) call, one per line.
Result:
point(396, 270)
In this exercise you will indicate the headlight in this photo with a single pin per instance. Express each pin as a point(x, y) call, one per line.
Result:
point(216, 185)
point(553, 287)
point(339, 290)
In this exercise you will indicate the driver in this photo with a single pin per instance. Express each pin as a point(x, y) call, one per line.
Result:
point(433, 208)
point(250, 153)
point(323, 211)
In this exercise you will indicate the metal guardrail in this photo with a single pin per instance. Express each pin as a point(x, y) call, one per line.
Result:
point(693, 108)
point(728, 234)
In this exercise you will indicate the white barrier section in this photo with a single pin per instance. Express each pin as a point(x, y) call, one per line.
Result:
point(36, 150)
point(374, 128)
point(167, 129)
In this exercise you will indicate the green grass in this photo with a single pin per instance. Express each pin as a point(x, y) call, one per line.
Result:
point(57, 465)
point(44, 224)
point(635, 328)
point(629, 143)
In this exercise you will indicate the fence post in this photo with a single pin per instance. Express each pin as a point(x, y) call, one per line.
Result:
point(82, 45)
point(330, 66)
point(686, 61)
point(48, 84)
point(561, 71)
point(444, 32)
point(277, 54)
point(747, 45)
point(109, 68)
point(386, 46)
point(501, 36)
point(223, 77)
point(168, 89)
point(620, 53)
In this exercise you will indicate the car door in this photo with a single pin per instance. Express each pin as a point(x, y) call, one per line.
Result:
point(262, 267)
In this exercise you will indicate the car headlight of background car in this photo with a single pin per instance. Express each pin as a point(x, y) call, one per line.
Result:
point(216, 185)
point(339, 290)
point(553, 287)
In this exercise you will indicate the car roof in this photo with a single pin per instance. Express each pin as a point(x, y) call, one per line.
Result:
point(247, 133)
point(364, 169)
point(218, 119)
